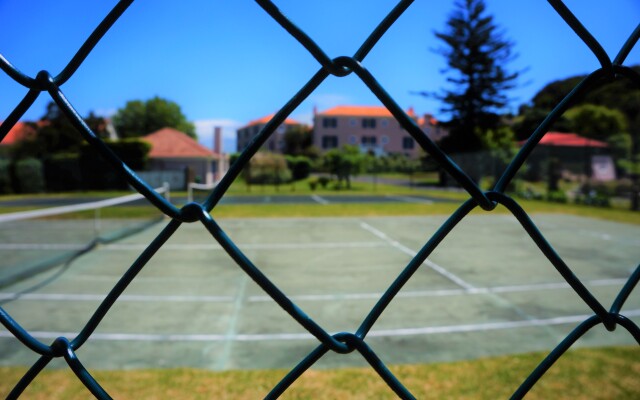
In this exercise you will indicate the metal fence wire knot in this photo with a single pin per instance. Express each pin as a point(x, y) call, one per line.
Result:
point(345, 342)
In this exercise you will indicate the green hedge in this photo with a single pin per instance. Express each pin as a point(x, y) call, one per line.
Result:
point(29, 177)
point(5, 177)
point(98, 174)
point(62, 173)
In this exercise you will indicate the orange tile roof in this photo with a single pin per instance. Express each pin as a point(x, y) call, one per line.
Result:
point(171, 143)
point(265, 119)
point(20, 131)
point(362, 111)
point(568, 140)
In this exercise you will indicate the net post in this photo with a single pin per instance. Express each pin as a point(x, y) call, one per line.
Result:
point(166, 191)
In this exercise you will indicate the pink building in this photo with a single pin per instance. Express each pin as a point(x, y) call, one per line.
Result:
point(275, 143)
point(372, 128)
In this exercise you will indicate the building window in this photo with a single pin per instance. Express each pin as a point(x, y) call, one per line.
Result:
point(353, 139)
point(369, 123)
point(281, 129)
point(368, 140)
point(384, 139)
point(353, 122)
point(408, 143)
point(329, 122)
point(329, 142)
point(384, 123)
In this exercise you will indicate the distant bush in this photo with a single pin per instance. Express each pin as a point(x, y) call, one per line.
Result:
point(5, 177)
point(62, 173)
point(597, 195)
point(267, 168)
point(557, 196)
point(324, 181)
point(313, 184)
point(98, 174)
point(29, 177)
point(300, 167)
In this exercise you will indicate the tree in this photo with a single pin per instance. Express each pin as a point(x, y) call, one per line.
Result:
point(139, 118)
point(597, 122)
point(344, 163)
point(476, 53)
point(55, 135)
point(297, 140)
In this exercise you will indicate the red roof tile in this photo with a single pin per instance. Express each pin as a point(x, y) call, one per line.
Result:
point(265, 119)
point(362, 111)
point(20, 131)
point(569, 140)
point(171, 143)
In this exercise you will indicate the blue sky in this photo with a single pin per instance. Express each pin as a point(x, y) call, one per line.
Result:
point(227, 62)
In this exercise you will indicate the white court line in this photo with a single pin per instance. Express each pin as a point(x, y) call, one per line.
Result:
point(192, 246)
point(418, 331)
point(319, 199)
point(42, 246)
point(408, 199)
point(445, 292)
point(457, 280)
point(247, 246)
point(124, 298)
point(310, 297)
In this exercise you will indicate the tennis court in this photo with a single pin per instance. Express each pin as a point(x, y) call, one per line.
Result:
point(486, 290)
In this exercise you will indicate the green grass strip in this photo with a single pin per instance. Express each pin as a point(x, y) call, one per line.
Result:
point(604, 373)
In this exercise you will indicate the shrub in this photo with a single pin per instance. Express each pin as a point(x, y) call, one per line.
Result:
point(267, 168)
point(62, 173)
point(313, 184)
point(300, 167)
point(28, 176)
point(5, 177)
point(324, 181)
point(557, 196)
point(99, 174)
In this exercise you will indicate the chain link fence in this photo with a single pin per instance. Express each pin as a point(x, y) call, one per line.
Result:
point(345, 342)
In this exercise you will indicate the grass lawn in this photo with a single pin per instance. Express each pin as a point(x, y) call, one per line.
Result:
point(366, 209)
point(605, 373)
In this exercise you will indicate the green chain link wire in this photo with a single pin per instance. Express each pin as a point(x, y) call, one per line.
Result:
point(345, 342)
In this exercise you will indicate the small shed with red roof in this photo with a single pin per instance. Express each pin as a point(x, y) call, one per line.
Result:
point(575, 155)
point(172, 150)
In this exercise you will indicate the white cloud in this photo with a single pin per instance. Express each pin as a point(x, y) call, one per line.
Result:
point(204, 129)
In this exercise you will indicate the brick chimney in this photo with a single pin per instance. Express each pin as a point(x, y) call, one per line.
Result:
point(217, 140)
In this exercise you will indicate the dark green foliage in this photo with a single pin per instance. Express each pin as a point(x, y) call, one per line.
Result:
point(344, 163)
point(597, 122)
point(5, 176)
point(557, 196)
point(139, 118)
point(62, 172)
point(267, 168)
point(298, 141)
point(598, 195)
point(98, 174)
point(476, 53)
point(233, 158)
point(300, 167)
point(29, 177)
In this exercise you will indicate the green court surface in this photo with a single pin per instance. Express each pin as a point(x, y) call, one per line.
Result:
point(486, 290)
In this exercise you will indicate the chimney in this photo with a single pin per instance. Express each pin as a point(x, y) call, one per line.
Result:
point(217, 140)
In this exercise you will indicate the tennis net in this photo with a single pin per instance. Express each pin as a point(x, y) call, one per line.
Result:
point(199, 191)
point(36, 240)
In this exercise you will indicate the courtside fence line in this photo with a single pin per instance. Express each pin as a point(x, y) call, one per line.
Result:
point(346, 342)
